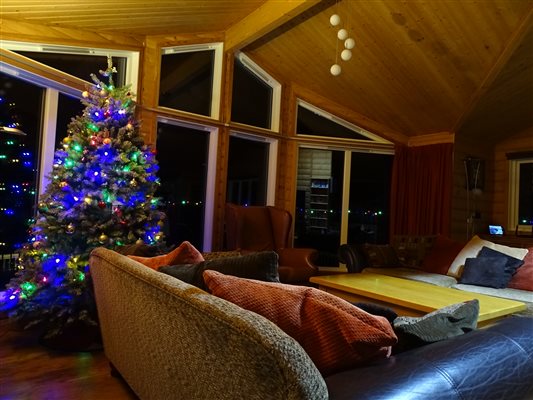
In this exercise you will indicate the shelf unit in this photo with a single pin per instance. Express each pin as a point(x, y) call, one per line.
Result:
point(319, 204)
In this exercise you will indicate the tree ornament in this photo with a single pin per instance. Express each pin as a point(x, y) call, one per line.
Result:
point(63, 184)
point(101, 204)
point(70, 228)
point(85, 94)
point(103, 238)
point(133, 183)
point(67, 140)
point(139, 242)
point(107, 140)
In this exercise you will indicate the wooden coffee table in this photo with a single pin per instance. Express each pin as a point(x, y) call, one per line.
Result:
point(411, 298)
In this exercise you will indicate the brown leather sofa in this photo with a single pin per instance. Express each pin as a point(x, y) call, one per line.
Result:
point(261, 228)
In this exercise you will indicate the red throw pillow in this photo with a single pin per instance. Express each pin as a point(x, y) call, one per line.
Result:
point(441, 255)
point(523, 278)
point(185, 253)
point(336, 334)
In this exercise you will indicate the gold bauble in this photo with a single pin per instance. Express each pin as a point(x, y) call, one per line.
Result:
point(71, 228)
point(107, 140)
point(103, 238)
point(139, 241)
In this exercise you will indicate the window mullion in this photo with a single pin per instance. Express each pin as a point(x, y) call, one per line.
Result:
point(49, 125)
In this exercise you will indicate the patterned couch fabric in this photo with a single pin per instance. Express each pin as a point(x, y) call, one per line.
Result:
point(411, 250)
point(171, 340)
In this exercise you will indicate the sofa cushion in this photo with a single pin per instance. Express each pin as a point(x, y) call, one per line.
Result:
point(412, 249)
point(336, 334)
point(185, 253)
point(511, 263)
point(380, 255)
point(441, 255)
point(523, 278)
point(473, 247)
point(262, 266)
point(486, 271)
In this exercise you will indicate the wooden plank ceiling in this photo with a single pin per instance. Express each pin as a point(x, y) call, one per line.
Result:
point(418, 67)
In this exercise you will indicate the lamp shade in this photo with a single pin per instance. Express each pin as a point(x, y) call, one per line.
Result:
point(335, 69)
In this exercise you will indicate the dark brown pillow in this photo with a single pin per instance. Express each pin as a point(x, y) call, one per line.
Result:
point(380, 255)
point(262, 266)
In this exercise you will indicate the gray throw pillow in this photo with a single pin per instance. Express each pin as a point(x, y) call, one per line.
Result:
point(441, 324)
point(262, 266)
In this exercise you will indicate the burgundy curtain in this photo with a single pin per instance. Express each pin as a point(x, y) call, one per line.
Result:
point(421, 190)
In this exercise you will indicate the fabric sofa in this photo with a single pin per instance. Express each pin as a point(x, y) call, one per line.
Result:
point(440, 261)
point(171, 340)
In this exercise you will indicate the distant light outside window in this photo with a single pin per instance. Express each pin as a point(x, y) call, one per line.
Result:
point(80, 65)
point(182, 153)
point(247, 172)
point(252, 98)
point(186, 81)
point(525, 196)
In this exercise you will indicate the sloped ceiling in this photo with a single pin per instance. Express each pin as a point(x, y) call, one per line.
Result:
point(419, 67)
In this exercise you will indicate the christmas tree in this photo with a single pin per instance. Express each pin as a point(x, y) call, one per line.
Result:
point(101, 193)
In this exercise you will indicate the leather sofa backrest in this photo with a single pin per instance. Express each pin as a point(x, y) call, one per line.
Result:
point(257, 228)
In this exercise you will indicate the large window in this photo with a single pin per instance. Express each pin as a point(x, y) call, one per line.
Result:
point(369, 204)
point(256, 95)
point(251, 170)
point(190, 79)
point(521, 192)
point(186, 174)
point(319, 197)
point(313, 121)
point(342, 197)
point(20, 138)
point(81, 61)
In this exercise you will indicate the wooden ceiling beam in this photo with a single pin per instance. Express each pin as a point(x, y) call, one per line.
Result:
point(265, 19)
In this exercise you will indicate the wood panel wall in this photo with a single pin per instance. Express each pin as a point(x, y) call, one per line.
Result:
point(461, 198)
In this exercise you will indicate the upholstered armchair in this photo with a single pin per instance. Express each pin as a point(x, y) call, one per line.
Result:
point(260, 228)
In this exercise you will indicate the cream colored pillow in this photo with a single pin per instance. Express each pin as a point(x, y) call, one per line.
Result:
point(472, 249)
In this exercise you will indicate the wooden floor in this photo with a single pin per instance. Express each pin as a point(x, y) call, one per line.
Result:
point(30, 371)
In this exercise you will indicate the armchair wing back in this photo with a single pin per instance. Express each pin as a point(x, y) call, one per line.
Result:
point(261, 228)
point(257, 228)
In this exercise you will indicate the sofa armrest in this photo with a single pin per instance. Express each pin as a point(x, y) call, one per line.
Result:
point(352, 256)
point(297, 265)
point(492, 363)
